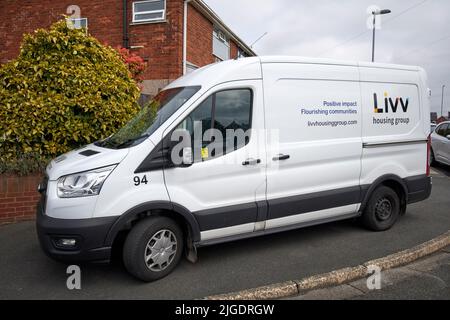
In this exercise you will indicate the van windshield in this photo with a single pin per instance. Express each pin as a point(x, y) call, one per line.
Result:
point(149, 118)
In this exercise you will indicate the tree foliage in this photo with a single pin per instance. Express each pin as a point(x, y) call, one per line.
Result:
point(64, 90)
point(135, 63)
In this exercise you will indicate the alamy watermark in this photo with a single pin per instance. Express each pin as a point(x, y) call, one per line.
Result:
point(374, 279)
point(198, 145)
point(73, 281)
point(73, 17)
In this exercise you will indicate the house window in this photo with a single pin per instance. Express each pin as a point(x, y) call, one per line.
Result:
point(241, 54)
point(79, 23)
point(148, 11)
point(221, 45)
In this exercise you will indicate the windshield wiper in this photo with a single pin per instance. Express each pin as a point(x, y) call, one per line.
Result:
point(104, 143)
point(130, 141)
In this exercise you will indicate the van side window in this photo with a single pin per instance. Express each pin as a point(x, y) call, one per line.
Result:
point(229, 114)
point(232, 116)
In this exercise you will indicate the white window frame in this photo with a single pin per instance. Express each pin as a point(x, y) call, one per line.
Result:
point(147, 12)
point(224, 40)
point(74, 20)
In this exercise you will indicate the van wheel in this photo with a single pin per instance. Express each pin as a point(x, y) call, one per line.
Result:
point(153, 248)
point(382, 210)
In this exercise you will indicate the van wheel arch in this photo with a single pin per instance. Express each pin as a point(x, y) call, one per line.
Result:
point(395, 183)
point(176, 212)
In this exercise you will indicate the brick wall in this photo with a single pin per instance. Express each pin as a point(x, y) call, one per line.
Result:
point(18, 198)
point(159, 43)
point(199, 38)
point(162, 41)
point(19, 17)
point(233, 50)
point(200, 41)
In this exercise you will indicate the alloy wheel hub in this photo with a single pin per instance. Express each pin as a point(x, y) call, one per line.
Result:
point(160, 250)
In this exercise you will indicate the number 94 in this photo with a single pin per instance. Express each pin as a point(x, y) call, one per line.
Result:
point(138, 180)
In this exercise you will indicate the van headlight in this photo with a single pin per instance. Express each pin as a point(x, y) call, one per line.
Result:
point(83, 184)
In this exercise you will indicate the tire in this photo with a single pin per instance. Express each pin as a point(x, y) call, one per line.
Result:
point(158, 236)
point(382, 209)
point(432, 158)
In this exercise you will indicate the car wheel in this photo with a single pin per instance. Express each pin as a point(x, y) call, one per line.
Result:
point(153, 248)
point(382, 210)
point(432, 158)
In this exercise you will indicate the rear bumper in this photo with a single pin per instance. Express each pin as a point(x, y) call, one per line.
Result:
point(90, 237)
point(419, 188)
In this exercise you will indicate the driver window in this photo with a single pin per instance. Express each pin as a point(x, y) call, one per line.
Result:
point(201, 116)
point(225, 112)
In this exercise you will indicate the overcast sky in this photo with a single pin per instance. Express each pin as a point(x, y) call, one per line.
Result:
point(417, 32)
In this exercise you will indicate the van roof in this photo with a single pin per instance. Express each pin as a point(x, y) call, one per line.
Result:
point(250, 68)
point(307, 60)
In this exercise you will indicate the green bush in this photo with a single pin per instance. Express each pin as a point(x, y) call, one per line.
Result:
point(23, 164)
point(64, 90)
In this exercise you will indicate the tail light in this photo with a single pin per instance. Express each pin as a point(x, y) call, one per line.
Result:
point(428, 155)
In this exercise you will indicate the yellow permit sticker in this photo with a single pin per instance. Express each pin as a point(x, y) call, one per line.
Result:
point(205, 153)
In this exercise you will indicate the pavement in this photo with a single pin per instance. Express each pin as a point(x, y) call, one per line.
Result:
point(28, 274)
point(425, 279)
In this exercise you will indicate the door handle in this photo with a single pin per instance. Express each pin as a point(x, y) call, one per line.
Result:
point(281, 157)
point(251, 162)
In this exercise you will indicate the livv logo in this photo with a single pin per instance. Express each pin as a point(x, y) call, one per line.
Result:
point(388, 102)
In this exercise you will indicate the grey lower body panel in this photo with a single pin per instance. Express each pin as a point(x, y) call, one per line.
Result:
point(247, 213)
point(291, 213)
point(275, 230)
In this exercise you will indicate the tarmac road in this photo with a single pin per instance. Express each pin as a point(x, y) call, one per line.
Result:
point(26, 273)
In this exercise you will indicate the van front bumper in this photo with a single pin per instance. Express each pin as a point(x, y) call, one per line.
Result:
point(88, 236)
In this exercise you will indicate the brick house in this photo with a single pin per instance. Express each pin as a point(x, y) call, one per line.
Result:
point(173, 36)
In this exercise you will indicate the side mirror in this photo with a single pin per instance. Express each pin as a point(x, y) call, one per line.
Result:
point(188, 156)
point(448, 137)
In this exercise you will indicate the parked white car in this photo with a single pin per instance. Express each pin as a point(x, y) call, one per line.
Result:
point(440, 144)
point(433, 127)
point(322, 141)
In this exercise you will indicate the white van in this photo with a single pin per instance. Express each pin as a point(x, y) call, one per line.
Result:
point(241, 149)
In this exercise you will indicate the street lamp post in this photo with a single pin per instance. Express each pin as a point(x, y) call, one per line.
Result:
point(375, 14)
point(442, 101)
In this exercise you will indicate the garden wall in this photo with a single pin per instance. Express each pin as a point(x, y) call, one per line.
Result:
point(18, 197)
